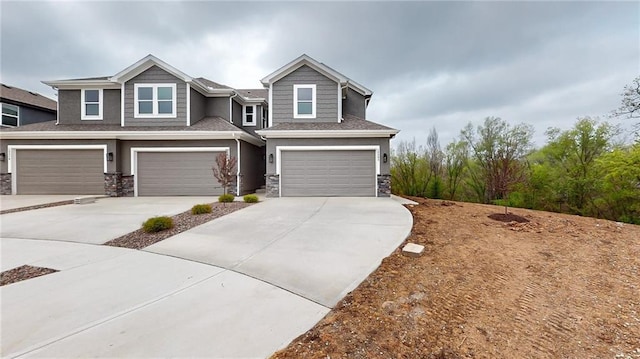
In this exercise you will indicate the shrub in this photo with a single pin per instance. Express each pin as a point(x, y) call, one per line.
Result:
point(250, 198)
point(157, 224)
point(226, 198)
point(201, 209)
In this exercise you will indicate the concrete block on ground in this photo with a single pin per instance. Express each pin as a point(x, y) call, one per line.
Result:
point(412, 250)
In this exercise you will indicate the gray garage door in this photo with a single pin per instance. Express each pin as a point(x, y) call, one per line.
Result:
point(328, 173)
point(177, 174)
point(60, 171)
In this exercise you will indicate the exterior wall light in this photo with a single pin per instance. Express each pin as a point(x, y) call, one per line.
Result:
point(385, 158)
point(271, 158)
point(110, 156)
point(3, 156)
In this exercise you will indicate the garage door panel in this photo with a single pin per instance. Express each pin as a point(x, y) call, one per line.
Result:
point(328, 173)
point(69, 171)
point(177, 174)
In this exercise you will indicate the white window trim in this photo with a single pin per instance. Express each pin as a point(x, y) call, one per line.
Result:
point(154, 101)
point(244, 116)
point(84, 115)
point(136, 150)
point(279, 149)
point(12, 163)
point(17, 116)
point(313, 101)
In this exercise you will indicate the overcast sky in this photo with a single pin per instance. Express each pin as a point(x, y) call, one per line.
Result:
point(439, 64)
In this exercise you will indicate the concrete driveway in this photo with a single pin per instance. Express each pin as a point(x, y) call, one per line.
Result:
point(96, 223)
point(241, 286)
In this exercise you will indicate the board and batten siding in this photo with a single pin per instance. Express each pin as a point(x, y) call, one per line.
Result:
point(326, 96)
point(155, 75)
point(70, 107)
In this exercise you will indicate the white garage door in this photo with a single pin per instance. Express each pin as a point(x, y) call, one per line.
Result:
point(176, 174)
point(59, 171)
point(328, 173)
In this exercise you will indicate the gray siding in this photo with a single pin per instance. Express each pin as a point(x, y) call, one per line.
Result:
point(252, 167)
point(31, 115)
point(382, 142)
point(237, 114)
point(198, 106)
point(70, 107)
point(326, 96)
point(353, 104)
point(218, 107)
point(156, 75)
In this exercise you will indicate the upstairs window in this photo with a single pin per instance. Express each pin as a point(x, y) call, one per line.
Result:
point(155, 100)
point(304, 101)
point(10, 115)
point(91, 104)
point(249, 115)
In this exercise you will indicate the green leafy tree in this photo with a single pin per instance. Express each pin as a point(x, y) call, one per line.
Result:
point(620, 173)
point(499, 151)
point(410, 172)
point(456, 158)
point(574, 153)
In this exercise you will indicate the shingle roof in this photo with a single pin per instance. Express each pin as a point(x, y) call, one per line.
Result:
point(206, 124)
point(254, 93)
point(21, 96)
point(212, 84)
point(99, 78)
point(350, 123)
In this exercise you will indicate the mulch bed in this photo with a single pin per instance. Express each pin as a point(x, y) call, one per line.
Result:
point(22, 273)
point(181, 222)
point(29, 208)
point(508, 217)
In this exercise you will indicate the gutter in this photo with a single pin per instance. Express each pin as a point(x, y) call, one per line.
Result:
point(238, 177)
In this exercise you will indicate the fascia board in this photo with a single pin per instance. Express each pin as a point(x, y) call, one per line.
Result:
point(327, 134)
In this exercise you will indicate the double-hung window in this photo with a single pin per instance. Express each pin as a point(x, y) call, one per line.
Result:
point(249, 115)
point(155, 100)
point(91, 104)
point(10, 115)
point(304, 101)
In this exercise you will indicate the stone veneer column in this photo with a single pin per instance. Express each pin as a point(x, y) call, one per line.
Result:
point(273, 185)
point(384, 185)
point(117, 185)
point(5, 183)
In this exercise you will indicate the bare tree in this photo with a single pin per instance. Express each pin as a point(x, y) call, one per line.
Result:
point(630, 107)
point(225, 173)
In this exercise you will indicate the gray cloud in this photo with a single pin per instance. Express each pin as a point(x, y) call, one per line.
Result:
point(429, 63)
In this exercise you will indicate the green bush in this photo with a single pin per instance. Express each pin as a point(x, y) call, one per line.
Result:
point(250, 198)
point(157, 224)
point(226, 198)
point(201, 209)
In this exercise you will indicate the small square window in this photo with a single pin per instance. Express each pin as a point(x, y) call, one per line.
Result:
point(249, 115)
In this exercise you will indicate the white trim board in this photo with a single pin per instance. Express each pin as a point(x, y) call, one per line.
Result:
point(136, 150)
point(12, 163)
point(279, 150)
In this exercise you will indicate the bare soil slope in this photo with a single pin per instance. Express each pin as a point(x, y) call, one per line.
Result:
point(557, 286)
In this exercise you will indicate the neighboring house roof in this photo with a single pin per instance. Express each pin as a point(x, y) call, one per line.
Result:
point(207, 128)
point(303, 60)
point(28, 98)
point(212, 84)
point(351, 126)
point(254, 93)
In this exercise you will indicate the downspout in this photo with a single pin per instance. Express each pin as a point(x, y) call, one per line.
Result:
point(341, 115)
point(231, 107)
point(58, 105)
point(238, 165)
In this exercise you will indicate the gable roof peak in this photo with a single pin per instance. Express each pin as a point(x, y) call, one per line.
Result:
point(144, 64)
point(305, 59)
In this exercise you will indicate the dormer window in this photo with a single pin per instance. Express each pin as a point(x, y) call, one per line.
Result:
point(155, 100)
point(91, 104)
point(304, 101)
point(249, 115)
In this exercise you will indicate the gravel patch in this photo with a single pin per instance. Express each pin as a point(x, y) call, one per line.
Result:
point(181, 222)
point(38, 206)
point(23, 273)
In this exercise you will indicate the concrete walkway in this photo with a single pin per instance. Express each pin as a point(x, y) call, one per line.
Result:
point(241, 286)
